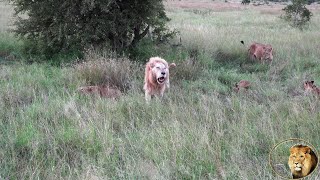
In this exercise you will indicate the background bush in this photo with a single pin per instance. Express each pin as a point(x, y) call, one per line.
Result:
point(51, 27)
point(101, 69)
point(297, 13)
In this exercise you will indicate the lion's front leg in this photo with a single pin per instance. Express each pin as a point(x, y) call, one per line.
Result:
point(147, 96)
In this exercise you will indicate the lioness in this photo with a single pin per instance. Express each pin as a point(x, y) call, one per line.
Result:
point(302, 161)
point(156, 78)
point(260, 52)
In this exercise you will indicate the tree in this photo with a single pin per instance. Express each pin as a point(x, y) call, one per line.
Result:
point(297, 13)
point(58, 26)
point(245, 2)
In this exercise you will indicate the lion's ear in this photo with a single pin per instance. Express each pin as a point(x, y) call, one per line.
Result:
point(291, 150)
point(150, 65)
point(172, 65)
point(308, 150)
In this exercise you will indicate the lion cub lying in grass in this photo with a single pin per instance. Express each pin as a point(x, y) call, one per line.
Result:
point(102, 91)
point(309, 86)
point(243, 84)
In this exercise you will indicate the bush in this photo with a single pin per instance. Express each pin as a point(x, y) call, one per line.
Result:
point(186, 70)
point(53, 27)
point(245, 2)
point(102, 70)
point(297, 13)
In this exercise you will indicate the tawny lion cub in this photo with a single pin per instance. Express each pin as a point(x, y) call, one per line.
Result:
point(156, 78)
point(309, 86)
point(260, 52)
point(243, 84)
point(102, 91)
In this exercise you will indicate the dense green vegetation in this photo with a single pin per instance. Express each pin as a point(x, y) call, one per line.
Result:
point(56, 27)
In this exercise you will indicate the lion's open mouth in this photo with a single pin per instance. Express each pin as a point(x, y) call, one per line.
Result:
point(160, 80)
point(297, 168)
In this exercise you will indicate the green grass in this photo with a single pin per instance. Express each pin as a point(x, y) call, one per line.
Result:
point(200, 130)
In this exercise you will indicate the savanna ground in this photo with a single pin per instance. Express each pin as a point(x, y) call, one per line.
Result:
point(200, 130)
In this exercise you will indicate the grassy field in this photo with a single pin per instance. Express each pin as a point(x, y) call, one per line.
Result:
point(200, 130)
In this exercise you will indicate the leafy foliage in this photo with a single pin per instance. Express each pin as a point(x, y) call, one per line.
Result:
point(297, 13)
point(100, 69)
point(62, 25)
point(245, 2)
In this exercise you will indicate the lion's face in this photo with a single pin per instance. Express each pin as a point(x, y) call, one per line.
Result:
point(301, 161)
point(297, 160)
point(160, 72)
point(261, 52)
point(267, 54)
point(308, 85)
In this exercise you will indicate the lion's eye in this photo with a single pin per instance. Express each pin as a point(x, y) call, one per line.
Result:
point(294, 156)
point(158, 67)
point(301, 156)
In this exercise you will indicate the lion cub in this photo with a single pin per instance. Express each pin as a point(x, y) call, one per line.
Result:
point(309, 86)
point(260, 52)
point(102, 91)
point(243, 84)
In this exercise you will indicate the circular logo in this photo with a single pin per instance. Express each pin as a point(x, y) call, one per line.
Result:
point(293, 158)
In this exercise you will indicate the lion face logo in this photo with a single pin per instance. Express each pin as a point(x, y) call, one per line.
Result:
point(302, 161)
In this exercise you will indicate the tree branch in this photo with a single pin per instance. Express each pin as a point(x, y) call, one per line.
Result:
point(137, 36)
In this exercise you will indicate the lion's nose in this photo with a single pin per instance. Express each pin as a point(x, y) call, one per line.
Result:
point(163, 73)
point(296, 163)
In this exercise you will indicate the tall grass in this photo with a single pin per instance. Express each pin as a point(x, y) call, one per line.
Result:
point(200, 130)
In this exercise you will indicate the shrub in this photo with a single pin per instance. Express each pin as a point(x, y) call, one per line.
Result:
point(186, 70)
point(51, 27)
point(245, 2)
point(102, 70)
point(297, 13)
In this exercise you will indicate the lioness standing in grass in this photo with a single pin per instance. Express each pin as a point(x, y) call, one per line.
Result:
point(260, 52)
